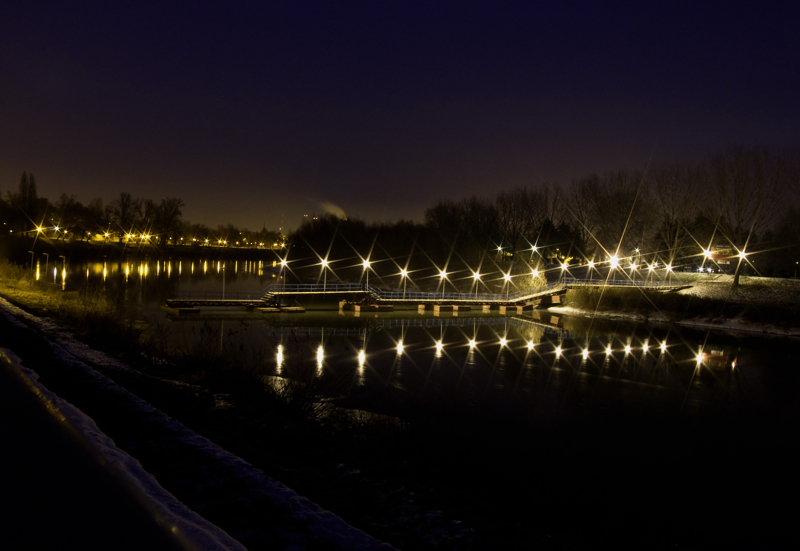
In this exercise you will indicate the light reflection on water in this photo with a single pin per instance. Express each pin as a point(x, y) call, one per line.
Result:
point(548, 365)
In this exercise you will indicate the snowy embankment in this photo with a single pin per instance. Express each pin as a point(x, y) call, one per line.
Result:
point(752, 291)
point(320, 525)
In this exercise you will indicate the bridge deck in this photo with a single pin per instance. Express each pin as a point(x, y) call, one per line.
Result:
point(417, 297)
point(359, 290)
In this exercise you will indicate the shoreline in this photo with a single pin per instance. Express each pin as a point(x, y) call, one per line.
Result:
point(729, 325)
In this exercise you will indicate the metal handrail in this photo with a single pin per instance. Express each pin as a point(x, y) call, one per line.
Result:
point(396, 296)
point(617, 282)
point(217, 295)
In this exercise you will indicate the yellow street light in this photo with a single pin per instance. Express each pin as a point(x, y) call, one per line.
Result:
point(403, 276)
point(366, 267)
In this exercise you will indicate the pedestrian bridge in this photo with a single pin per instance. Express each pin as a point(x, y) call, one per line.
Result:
point(359, 291)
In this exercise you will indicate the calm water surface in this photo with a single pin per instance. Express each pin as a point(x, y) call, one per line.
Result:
point(541, 366)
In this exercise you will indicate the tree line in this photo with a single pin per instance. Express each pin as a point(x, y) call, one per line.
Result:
point(738, 199)
point(125, 218)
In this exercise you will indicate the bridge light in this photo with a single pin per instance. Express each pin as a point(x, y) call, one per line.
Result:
point(563, 266)
point(614, 260)
point(283, 262)
point(404, 273)
point(472, 343)
point(585, 353)
point(362, 357)
point(591, 263)
point(400, 347)
point(476, 275)
point(645, 347)
point(627, 349)
point(558, 351)
point(324, 263)
point(535, 273)
point(742, 255)
point(669, 267)
point(503, 341)
point(608, 350)
point(663, 347)
point(507, 277)
point(443, 274)
point(366, 264)
point(530, 345)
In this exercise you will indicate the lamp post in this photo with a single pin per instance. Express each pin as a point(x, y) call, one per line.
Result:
point(366, 267)
point(403, 276)
point(443, 275)
point(507, 277)
point(325, 275)
point(280, 272)
point(477, 277)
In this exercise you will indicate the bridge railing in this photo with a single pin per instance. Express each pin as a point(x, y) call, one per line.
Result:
point(398, 296)
point(315, 288)
point(217, 295)
point(616, 282)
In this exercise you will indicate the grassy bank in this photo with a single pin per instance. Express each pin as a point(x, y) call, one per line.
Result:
point(676, 306)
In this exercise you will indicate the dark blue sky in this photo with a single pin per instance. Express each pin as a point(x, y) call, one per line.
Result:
point(255, 114)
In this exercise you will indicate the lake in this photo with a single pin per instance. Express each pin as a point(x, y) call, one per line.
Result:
point(542, 367)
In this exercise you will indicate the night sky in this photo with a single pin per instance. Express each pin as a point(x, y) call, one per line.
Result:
point(256, 114)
